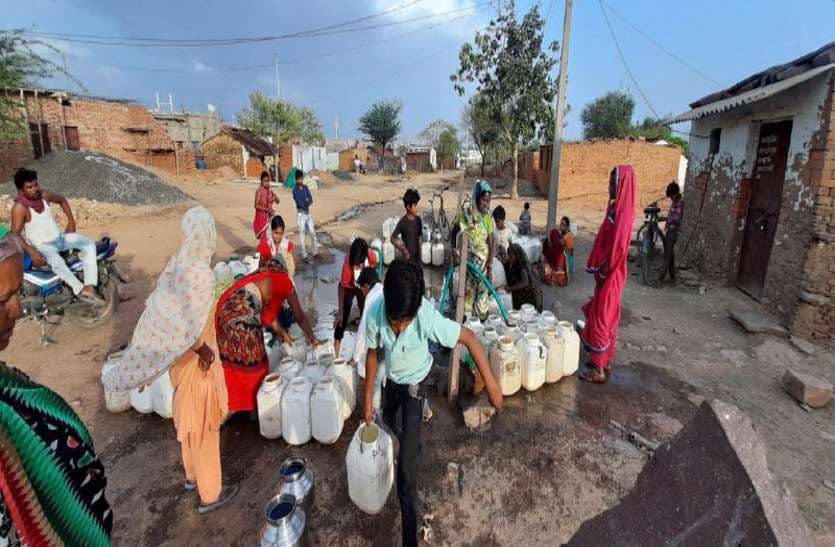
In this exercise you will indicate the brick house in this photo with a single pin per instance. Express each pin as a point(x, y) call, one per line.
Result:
point(760, 190)
point(240, 149)
point(421, 159)
point(59, 120)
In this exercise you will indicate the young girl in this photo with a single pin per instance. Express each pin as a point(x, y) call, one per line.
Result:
point(276, 246)
point(522, 284)
point(358, 257)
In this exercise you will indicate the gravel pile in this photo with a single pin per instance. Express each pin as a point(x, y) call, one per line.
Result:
point(98, 177)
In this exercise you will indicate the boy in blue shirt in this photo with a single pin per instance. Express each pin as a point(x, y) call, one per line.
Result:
point(403, 323)
point(303, 199)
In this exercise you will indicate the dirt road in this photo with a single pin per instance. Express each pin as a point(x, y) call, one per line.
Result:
point(550, 461)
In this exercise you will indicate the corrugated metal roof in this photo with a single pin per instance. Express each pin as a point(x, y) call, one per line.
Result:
point(749, 97)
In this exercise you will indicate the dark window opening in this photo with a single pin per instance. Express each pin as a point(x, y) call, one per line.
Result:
point(715, 139)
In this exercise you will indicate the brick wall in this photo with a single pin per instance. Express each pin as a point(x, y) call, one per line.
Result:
point(13, 155)
point(222, 150)
point(126, 131)
point(585, 167)
point(815, 313)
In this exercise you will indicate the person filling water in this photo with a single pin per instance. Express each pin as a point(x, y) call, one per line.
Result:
point(369, 284)
point(477, 222)
point(358, 257)
point(403, 323)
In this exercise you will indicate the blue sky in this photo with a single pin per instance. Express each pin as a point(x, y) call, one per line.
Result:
point(725, 40)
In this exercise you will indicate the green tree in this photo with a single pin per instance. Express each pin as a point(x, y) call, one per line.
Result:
point(448, 148)
point(281, 120)
point(655, 128)
point(476, 121)
point(431, 134)
point(382, 123)
point(511, 67)
point(21, 66)
point(609, 116)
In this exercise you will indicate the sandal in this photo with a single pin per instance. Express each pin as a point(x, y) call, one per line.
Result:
point(226, 494)
point(190, 486)
point(594, 375)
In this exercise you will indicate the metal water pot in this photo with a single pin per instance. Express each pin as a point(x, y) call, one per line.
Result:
point(286, 523)
point(297, 479)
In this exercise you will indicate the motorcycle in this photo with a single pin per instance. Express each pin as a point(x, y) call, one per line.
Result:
point(43, 294)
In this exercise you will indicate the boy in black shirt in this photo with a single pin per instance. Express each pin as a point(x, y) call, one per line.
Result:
point(410, 228)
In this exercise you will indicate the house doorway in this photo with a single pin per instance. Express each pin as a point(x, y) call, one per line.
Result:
point(764, 206)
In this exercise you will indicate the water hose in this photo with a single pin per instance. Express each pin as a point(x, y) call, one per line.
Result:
point(475, 270)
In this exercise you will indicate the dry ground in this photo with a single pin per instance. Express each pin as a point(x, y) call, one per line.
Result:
point(550, 461)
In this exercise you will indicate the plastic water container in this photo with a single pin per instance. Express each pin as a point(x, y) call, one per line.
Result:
point(554, 344)
point(274, 352)
point(370, 466)
point(474, 324)
point(532, 355)
point(295, 411)
point(269, 405)
point(495, 321)
point(313, 371)
point(489, 337)
point(515, 316)
point(251, 263)
point(506, 299)
point(348, 346)
point(571, 361)
point(492, 306)
point(141, 400)
point(512, 331)
point(528, 313)
point(547, 319)
point(499, 277)
point(297, 351)
point(222, 272)
point(289, 368)
point(326, 410)
point(388, 252)
point(238, 268)
point(504, 363)
point(438, 254)
point(426, 253)
point(346, 377)
point(162, 396)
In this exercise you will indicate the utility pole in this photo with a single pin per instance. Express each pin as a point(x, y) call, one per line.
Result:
point(277, 79)
point(559, 115)
point(336, 128)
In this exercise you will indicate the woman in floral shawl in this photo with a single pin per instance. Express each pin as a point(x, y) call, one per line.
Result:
point(475, 219)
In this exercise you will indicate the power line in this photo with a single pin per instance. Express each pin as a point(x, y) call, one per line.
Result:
point(249, 68)
point(324, 31)
point(661, 47)
point(623, 60)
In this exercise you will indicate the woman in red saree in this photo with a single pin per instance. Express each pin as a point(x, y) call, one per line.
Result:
point(556, 263)
point(607, 262)
point(243, 311)
point(264, 200)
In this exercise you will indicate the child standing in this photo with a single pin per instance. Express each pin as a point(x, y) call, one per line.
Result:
point(403, 323)
point(525, 220)
point(409, 228)
point(303, 199)
point(501, 234)
point(358, 257)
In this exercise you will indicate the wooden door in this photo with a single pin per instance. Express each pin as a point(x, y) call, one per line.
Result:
point(73, 142)
point(764, 206)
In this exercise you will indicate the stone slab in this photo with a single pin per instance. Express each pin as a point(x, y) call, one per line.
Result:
point(709, 485)
point(803, 345)
point(757, 323)
point(807, 389)
point(478, 413)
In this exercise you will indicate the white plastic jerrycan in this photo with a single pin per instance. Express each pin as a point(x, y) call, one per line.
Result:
point(326, 410)
point(141, 400)
point(289, 368)
point(426, 253)
point(555, 345)
point(370, 466)
point(269, 405)
point(162, 396)
point(504, 362)
point(572, 348)
point(533, 359)
point(346, 377)
point(295, 411)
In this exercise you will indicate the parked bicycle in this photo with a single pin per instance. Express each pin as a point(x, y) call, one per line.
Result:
point(650, 243)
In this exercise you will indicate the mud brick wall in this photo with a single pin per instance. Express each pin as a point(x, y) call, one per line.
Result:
point(585, 167)
point(799, 278)
point(222, 150)
point(13, 155)
point(126, 131)
point(815, 313)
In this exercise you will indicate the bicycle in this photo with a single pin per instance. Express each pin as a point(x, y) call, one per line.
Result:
point(649, 235)
point(440, 220)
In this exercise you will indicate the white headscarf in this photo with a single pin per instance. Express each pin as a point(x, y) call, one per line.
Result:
point(176, 311)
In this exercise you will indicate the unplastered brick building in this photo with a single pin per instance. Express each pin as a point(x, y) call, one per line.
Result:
point(760, 190)
point(59, 120)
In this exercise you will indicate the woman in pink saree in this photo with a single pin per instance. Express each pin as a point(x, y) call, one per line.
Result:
point(607, 262)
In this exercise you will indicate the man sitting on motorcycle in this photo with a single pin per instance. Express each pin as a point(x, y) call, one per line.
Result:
point(44, 242)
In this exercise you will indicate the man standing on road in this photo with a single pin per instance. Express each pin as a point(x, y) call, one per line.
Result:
point(671, 229)
point(32, 219)
point(303, 199)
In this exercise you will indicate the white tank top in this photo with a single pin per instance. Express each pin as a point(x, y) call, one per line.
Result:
point(42, 227)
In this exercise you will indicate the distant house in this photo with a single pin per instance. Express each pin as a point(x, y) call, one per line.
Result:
point(189, 129)
point(421, 158)
point(240, 149)
point(760, 188)
point(60, 120)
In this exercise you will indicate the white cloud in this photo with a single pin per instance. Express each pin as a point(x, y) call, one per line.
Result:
point(200, 67)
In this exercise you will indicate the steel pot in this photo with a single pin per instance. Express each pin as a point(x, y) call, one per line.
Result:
point(297, 479)
point(286, 523)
